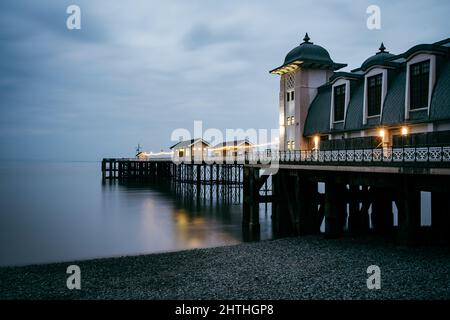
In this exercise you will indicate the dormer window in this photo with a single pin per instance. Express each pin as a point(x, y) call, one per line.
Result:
point(339, 103)
point(419, 85)
point(374, 90)
point(420, 80)
point(340, 97)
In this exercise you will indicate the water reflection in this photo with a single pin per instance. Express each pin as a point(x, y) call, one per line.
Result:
point(201, 215)
point(51, 212)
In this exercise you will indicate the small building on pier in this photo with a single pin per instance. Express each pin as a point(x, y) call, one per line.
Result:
point(141, 155)
point(391, 100)
point(234, 148)
point(190, 150)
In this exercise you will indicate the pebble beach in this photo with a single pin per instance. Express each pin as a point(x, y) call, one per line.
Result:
point(289, 268)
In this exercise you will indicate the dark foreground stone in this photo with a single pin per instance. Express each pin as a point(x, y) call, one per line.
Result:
point(291, 268)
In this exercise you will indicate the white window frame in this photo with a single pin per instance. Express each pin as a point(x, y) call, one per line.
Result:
point(420, 57)
point(337, 83)
point(384, 77)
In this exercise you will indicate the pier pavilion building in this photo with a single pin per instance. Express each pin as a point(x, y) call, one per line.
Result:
point(391, 100)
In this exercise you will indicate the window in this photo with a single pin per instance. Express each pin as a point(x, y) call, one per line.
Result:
point(290, 145)
point(290, 96)
point(339, 102)
point(374, 95)
point(290, 120)
point(419, 78)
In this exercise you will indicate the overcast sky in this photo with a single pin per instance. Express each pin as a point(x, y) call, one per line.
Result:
point(139, 69)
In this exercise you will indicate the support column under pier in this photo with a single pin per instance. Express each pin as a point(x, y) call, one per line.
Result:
point(335, 208)
point(382, 215)
point(306, 198)
point(250, 217)
point(354, 215)
point(440, 217)
point(284, 211)
point(408, 205)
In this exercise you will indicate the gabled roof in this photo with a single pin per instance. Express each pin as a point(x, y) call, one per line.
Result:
point(345, 75)
point(188, 143)
point(232, 143)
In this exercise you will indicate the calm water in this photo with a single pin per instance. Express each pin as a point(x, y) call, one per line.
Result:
point(51, 212)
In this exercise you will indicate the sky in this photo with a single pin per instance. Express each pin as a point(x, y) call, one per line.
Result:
point(137, 70)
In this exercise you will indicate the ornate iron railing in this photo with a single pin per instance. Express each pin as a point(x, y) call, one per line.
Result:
point(394, 156)
point(418, 156)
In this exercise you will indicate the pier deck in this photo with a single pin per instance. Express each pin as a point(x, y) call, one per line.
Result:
point(363, 188)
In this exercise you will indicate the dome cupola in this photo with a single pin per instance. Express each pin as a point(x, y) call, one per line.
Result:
point(307, 55)
point(380, 58)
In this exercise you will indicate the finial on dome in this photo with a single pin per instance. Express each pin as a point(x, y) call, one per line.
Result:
point(306, 38)
point(382, 47)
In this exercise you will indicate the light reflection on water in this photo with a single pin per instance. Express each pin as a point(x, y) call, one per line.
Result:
point(51, 212)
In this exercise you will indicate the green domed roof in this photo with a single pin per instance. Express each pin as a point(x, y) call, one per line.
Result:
point(377, 59)
point(308, 55)
point(308, 51)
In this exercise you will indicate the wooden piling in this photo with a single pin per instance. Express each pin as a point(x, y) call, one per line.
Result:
point(408, 204)
point(382, 214)
point(250, 217)
point(440, 217)
point(334, 207)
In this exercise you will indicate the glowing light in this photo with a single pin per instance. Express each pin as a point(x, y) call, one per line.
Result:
point(187, 151)
point(232, 147)
point(316, 142)
point(148, 154)
point(381, 133)
point(404, 131)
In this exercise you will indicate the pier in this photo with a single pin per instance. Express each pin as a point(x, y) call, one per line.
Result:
point(356, 181)
point(199, 181)
point(373, 139)
point(361, 189)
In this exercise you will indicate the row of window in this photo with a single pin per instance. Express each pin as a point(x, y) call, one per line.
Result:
point(290, 120)
point(291, 145)
point(419, 83)
point(290, 96)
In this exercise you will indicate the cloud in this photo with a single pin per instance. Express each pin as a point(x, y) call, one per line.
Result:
point(138, 70)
